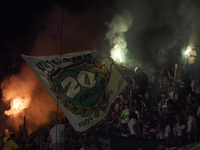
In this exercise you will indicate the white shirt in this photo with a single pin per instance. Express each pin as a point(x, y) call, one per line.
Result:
point(178, 129)
point(60, 133)
point(167, 129)
point(191, 119)
point(132, 122)
point(171, 95)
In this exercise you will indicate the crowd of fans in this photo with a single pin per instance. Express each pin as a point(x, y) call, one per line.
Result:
point(168, 109)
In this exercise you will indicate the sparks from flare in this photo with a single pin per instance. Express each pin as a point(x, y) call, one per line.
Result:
point(17, 105)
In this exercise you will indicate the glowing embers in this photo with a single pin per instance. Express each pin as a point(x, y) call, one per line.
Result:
point(17, 105)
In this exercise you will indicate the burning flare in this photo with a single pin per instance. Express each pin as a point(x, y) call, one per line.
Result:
point(117, 52)
point(17, 105)
point(189, 49)
point(119, 25)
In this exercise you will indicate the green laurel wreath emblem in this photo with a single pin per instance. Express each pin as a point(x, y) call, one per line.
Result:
point(83, 110)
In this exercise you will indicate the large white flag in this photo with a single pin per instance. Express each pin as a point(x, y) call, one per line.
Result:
point(84, 84)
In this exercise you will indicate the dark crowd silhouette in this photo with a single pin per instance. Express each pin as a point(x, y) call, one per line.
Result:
point(163, 104)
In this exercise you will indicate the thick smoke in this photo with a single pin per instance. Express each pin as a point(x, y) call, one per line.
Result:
point(26, 86)
point(160, 30)
point(80, 32)
point(190, 10)
point(118, 26)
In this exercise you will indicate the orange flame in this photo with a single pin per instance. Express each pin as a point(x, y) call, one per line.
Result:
point(17, 105)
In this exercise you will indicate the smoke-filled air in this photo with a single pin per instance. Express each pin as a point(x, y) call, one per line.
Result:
point(140, 33)
point(117, 28)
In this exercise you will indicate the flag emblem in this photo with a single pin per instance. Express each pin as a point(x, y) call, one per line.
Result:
point(79, 87)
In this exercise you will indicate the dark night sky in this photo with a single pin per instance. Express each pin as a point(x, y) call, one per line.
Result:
point(160, 29)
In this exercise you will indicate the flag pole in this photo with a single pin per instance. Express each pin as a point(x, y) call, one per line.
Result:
point(107, 121)
point(131, 96)
point(65, 125)
point(195, 76)
point(85, 138)
point(153, 93)
point(175, 73)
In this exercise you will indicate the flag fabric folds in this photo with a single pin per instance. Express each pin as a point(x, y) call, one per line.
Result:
point(84, 84)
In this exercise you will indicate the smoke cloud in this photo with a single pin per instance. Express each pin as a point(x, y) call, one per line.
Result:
point(80, 32)
point(191, 13)
point(116, 35)
point(27, 86)
point(159, 32)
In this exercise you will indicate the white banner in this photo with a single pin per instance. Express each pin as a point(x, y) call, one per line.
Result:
point(84, 84)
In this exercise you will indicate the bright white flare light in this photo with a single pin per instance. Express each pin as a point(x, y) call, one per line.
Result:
point(119, 55)
point(116, 53)
point(187, 52)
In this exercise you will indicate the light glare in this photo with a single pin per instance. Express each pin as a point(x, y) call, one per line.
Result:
point(119, 55)
point(18, 104)
point(187, 52)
